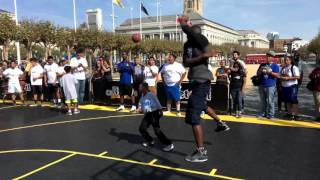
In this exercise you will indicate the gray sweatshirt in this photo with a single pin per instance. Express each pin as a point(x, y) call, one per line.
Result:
point(149, 103)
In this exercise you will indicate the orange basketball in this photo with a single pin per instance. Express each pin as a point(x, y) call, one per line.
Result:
point(136, 38)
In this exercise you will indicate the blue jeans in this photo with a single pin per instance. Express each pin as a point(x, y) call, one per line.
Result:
point(267, 97)
point(80, 87)
point(237, 98)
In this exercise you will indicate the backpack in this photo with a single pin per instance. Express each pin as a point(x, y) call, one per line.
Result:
point(301, 75)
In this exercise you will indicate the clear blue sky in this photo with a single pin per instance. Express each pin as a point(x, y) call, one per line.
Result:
point(288, 17)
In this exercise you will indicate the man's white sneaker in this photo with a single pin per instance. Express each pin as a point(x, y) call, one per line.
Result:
point(120, 108)
point(133, 109)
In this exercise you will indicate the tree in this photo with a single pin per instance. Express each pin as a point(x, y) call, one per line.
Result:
point(47, 35)
point(314, 47)
point(8, 33)
point(65, 40)
point(28, 35)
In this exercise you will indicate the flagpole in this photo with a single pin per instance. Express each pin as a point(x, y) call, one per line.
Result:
point(131, 9)
point(141, 19)
point(113, 28)
point(160, 22)
point(74, 16)
point(17, 23)
point(158, 2)
point(176, 28)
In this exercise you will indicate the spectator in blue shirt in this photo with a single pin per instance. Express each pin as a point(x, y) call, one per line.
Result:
point(268, 74)
point(126, 69)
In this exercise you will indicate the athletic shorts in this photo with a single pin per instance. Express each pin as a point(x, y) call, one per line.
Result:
point(69, 101)
point(53, 88)
point(36, 89)
point(14, 88)
point(197, 102)
point(290, 94)
point(125, 89)
point(173, 92)
point(136, 85)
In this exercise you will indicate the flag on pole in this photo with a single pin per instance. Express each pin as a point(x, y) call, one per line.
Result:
point(144, 9)
point(118, 3)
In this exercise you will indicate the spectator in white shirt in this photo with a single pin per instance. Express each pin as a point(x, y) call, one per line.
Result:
point(79, 66)
point(51, 82)
point(151, 74)
point(14, 87)
point(172, 74)
point(289, 82)
point(36, 78)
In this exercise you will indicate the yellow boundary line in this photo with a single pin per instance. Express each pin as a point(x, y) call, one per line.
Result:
point(245, 119)
point(73, 153)
point(248, 120)
point(7, 107)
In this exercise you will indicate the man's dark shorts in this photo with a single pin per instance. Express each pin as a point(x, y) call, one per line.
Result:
point(125, 89)
point(197, 102)
point(37, 89)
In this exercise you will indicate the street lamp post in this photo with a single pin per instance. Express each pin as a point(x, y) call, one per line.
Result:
point(17, 23)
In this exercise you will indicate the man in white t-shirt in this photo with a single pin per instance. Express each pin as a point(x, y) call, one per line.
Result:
point(36, 78)
point(172, 74)
point(79, 66)
point(51, 81)
point(151, 74)
point(13, 73)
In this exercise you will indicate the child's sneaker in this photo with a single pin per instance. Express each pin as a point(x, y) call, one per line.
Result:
point(69, 113)
point(120, 108)
point(148, 144)
point(76, 111)
point(133, 109)
point(168, 148)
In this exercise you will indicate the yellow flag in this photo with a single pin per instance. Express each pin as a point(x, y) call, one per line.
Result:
point(118, 3)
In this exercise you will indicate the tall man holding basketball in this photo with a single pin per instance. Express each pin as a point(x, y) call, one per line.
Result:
point(196, 56)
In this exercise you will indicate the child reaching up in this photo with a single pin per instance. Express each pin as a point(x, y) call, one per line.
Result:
point(68, 82)
point(152, 109)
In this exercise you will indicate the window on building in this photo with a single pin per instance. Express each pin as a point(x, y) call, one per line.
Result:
point(147, 36)
point(166, 36)
point(156, 36)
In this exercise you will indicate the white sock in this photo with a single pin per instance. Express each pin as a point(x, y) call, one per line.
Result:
point(59, 100)
point(169, 107)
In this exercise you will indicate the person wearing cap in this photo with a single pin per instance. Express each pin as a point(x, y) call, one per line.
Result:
point(268, 74)
point(126, 69)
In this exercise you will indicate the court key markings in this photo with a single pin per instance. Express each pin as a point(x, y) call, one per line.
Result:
point(212, 173)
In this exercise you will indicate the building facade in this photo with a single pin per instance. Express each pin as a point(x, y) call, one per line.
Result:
point(253, 39)
point(166, 27)
point(94, 19)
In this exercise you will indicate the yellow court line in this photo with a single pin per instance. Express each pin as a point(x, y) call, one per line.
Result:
point(103, 153)
point(45, 167)
point(210, 174)
point(7, 107)
point(248, 120)
point(66, 122)
point(153, 161)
